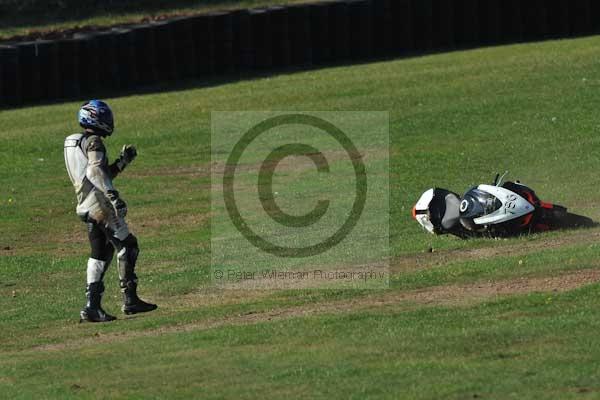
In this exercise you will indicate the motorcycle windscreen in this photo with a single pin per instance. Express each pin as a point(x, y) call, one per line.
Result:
point(478, 203)
point(512, 206)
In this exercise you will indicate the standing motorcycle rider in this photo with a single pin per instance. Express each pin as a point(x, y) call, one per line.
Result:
point(100, 206)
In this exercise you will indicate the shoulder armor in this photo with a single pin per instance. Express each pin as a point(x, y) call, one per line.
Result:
point(73, 140)
point(94, 143)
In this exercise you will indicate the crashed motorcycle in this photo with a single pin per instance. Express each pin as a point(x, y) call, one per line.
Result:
point(499, 210)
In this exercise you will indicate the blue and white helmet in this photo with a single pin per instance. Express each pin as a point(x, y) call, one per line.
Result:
point(96, 115)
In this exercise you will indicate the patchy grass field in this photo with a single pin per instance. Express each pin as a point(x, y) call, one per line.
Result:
point(479, 319)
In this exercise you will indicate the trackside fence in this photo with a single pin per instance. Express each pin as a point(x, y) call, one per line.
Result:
point(275, 38)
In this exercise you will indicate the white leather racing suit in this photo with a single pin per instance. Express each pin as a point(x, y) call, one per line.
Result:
point(87, 164)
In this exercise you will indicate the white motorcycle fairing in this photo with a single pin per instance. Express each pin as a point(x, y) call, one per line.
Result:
point(438, 211)
point(513, 206)
point(421, 211)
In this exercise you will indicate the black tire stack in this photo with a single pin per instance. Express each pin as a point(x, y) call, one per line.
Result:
point(443, 35)
point(319, 32)
point(422, 22)
point(145, 53)
point(204, 44)
point(300, 38)
point(280, 37)
point(535, 19)
point(490, 23)
point(31, 88)
point(222, 24)
point(339, 28)
point(558, 18)
point(11, 75)
point(512, 21)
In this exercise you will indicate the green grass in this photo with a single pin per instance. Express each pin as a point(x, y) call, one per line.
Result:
point(456, 120)
point(421, 354)
point(16, 22)
point(298, 187)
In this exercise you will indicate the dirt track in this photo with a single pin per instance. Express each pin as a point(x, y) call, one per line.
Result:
point(446, 295)
point(456, 295)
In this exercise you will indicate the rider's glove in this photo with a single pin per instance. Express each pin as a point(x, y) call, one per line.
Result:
point(118, 204)
point(128, 154)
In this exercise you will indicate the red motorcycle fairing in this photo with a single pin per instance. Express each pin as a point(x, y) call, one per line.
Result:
point(541, 220)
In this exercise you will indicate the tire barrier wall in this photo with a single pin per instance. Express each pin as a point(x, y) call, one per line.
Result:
point(268, 39)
